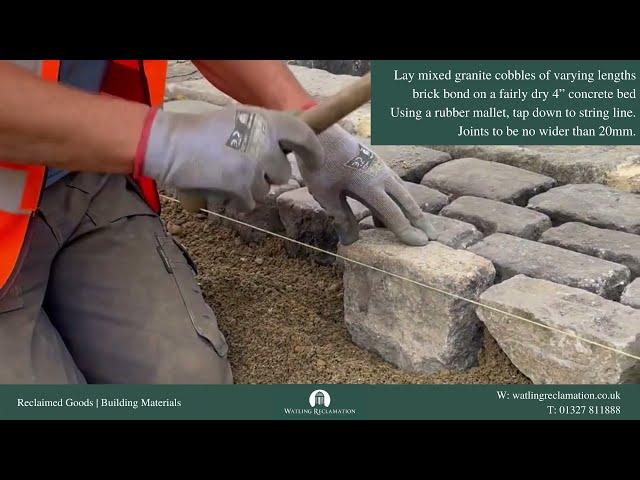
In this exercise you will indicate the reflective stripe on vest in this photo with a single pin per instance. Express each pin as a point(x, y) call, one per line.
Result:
point(21, 185)
point(19, 188)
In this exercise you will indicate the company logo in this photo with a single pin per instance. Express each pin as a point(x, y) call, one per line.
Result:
point(319, 398)
point(319, 401)
point(363, 160)
point(241, 134)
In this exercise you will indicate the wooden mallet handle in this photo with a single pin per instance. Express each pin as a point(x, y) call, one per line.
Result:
point(319, 117)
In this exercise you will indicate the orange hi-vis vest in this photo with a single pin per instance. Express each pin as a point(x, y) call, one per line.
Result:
point(21, 185)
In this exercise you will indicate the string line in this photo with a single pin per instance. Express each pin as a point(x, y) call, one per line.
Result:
point(415, 282)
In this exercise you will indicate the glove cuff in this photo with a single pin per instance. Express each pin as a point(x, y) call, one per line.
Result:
point(141, 150)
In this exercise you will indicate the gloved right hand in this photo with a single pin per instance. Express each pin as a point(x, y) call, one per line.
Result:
point(235, 153)
point(351, 170)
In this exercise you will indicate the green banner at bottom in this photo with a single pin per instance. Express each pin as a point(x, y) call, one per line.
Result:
point(321, 402)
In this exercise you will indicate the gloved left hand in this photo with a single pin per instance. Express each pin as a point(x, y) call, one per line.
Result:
point(349, 169)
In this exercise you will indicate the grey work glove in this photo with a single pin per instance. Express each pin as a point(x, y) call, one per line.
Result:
point(350, 169)
point(233, 154)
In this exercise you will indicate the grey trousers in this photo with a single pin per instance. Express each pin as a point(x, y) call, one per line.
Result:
point(104, 295)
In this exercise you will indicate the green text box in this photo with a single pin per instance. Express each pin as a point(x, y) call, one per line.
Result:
point(321, 402)
point(501, 89)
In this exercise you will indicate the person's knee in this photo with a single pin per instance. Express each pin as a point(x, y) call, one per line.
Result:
point(196, 365)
